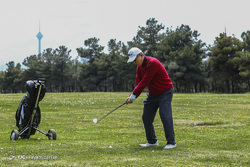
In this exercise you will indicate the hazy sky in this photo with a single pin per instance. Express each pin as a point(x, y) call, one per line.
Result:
point(70, 22)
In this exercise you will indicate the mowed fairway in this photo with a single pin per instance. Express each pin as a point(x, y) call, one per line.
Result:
point(211, 130)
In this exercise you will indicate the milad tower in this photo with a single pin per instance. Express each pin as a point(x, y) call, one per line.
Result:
point(39, 36)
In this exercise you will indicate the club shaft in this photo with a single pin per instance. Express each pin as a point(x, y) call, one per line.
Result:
point(111, 112)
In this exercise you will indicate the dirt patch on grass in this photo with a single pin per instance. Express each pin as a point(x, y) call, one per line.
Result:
point(209, 123)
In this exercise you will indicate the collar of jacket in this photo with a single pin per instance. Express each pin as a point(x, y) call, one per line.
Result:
point(144, 61)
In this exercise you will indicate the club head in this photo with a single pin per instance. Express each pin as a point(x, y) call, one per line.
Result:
point(95, 121)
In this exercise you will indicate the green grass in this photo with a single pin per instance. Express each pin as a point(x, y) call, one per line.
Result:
point(210, 129)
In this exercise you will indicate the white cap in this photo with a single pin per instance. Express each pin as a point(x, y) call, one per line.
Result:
point(133, 52)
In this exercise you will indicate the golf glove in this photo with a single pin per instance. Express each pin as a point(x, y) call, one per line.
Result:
point(132, 97)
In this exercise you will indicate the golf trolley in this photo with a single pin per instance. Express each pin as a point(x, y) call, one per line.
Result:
point(28, 114)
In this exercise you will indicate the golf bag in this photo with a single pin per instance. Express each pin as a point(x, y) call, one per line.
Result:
point(27, 106)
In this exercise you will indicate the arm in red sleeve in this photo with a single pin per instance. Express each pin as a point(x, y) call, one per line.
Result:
point(138, 76)
point(151, 70)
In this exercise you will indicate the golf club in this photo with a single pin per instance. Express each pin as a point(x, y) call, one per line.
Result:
point(95, 120)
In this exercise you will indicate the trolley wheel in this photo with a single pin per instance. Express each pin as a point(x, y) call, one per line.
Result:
point(14, 135)
point(52, 134)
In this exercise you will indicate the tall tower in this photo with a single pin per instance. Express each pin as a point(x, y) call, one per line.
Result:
point(39, 36)
point(225, 31)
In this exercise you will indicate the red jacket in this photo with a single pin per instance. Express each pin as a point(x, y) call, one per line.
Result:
point(152, 74)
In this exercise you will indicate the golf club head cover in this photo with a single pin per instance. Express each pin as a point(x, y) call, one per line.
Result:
point(32, 87)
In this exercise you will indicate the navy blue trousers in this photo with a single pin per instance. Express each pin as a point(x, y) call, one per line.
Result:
point(151, 105)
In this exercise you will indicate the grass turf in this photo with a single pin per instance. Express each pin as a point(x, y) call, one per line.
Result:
point(210, 129)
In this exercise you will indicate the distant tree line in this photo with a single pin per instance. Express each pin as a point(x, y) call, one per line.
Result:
point(193, 66)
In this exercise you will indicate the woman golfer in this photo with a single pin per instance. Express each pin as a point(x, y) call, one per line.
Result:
point(152, 74)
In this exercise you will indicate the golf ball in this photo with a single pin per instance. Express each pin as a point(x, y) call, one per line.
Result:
point(110, 146)
point(95, 120)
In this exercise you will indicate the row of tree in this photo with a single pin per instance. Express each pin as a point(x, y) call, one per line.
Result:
point(193, 66)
